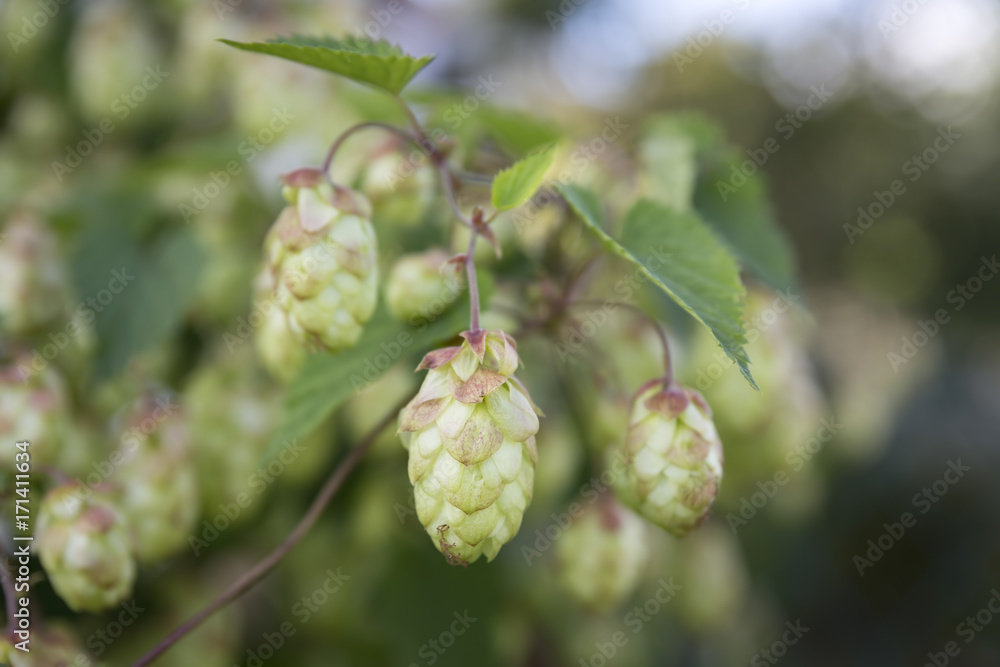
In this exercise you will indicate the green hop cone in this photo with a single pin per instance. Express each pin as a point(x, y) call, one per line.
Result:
point(603, 554)
point(34, 281)
point(34, 407)
point(159, 491)
point(277, 346)
point(421, 285)
point(470, 431)
point(673, 458)
point(321, 253)
point(84, 547)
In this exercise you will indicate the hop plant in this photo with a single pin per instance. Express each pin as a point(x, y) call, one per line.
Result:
point(157, 477)
point(33, 278)
point(321, 254)
point(602, 555)
point(470, 431)
point(673, 458)
point(34, 407)
point(84, 547)
point(418, 285)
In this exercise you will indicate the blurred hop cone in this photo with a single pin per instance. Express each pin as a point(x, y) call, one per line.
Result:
point(401, 192)
point(673, 458)
point(321, 253)
point(233, 418)
point(277, 346)
point(159, 492)
point(470, 431)
point(51, 645)
point(34, 407)
point(602, 555)
point(84, 547)
point(34, 282)
point(421, 285)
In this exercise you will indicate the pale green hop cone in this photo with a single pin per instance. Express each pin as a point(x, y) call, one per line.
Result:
point(159, 489)
point(84, 547)
point(673, 456)
point(603, 554)
point(321, 253)
point(470, 431)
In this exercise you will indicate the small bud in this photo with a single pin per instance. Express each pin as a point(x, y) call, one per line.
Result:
point(31, 272)
point(673, 456)
point(422, 285)
point(83, 544)
point(34, 407)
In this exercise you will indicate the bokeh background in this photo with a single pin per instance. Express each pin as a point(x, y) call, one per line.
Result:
point(884, 91)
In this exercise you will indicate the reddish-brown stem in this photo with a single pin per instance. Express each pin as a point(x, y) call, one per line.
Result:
point(259, 571)
point(470, 274)
point(339, 141)
point(668, 376)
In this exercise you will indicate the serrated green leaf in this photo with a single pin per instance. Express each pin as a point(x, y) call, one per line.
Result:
point(327, 380)
point(743, 217)
point(683, 258)
point(519, 182)
point(379, 64)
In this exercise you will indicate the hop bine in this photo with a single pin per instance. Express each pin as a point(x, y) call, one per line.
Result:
point(673, 457)
point(470, 431)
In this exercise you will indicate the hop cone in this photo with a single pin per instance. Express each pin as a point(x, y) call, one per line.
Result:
point(602, 555)
point(54, 645)
point(34, 407)
point(417, 288)
point(84, 547)
point(471, 431)
point(277, 346)
point(33, 279)
point(321, 253)
point(157, 478)
point(673, 457)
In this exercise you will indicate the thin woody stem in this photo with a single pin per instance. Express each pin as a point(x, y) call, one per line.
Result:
point(470, 274)
point(668, 376)
point(259, 571)
point(339, 141)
